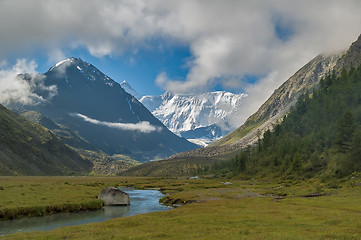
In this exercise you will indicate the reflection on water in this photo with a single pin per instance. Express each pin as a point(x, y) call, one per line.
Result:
point(142, 201)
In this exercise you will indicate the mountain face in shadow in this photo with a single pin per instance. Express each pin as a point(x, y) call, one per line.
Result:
point(97, 109)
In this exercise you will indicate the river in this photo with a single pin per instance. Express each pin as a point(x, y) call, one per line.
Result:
point(141, 201)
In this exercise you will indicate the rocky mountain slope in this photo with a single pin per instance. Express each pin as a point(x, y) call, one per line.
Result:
point(98, 110)
point(27, 148)
point(305, 80)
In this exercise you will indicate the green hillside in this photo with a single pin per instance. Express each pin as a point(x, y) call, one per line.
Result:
point(321, 135)
point(65, 134)
point(27, 148)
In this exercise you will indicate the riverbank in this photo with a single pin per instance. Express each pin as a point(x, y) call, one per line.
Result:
point(233, 209)
point(142, 201)
point(36, 211)
point(38, 196)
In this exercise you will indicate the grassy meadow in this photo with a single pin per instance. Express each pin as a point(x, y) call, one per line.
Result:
point(211, 208)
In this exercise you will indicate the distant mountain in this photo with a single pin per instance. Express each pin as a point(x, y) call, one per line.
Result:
point(204, 135)
point(200, 118)
point(130, 90)
point(152, 102)
point(98, 110)
point(27, 148)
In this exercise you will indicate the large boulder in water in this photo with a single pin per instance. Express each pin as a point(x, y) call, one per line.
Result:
point(114, 197)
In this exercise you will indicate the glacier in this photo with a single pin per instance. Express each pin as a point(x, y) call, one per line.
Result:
point(200, 118)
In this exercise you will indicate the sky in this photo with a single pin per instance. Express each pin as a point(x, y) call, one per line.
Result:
point(188, 46)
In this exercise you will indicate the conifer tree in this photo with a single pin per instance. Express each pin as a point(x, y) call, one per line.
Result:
point(345, 129)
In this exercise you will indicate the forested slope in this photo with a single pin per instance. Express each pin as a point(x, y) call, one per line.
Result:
point(321, 134)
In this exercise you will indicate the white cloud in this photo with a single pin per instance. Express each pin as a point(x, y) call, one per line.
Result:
point(55, 55)
point(227, 40)
point(144, 127)
point(17, 90)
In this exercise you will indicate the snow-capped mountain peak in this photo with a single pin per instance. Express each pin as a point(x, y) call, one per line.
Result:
point(196, 116)
point(187, 112)
point(125, 85)
point(98, 109)
point(74, 65)
point(62, 64)
point(200, 118)
point(151, 102)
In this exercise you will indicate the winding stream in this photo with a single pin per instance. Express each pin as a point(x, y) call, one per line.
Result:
point(142, 201)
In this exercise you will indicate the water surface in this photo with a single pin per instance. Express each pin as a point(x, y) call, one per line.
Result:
point(141, 201)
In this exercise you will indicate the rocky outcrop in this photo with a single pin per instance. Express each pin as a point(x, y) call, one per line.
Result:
point(352, 58)
point(114, 197)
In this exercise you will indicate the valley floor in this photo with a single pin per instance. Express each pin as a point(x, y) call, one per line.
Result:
point(212, 208)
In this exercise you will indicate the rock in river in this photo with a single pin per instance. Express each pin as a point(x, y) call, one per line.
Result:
point(114, 197)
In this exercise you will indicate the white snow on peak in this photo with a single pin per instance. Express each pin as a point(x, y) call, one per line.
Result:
point(63, 61)
point(130, 90)
point(61, 65)
point(151, 102)
point(181, 113)
point(187, 113)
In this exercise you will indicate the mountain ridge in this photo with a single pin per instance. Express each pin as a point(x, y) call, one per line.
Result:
point(201, 117)
point(98, 110)
point(126, 86)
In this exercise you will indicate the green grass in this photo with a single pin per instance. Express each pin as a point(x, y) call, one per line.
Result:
point(245, 209)
point(106, 165)
point(34, 196)
point(236, 134)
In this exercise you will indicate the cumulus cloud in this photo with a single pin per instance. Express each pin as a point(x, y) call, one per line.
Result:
point(17, 90)
point(144, 127)
point(227, 41)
